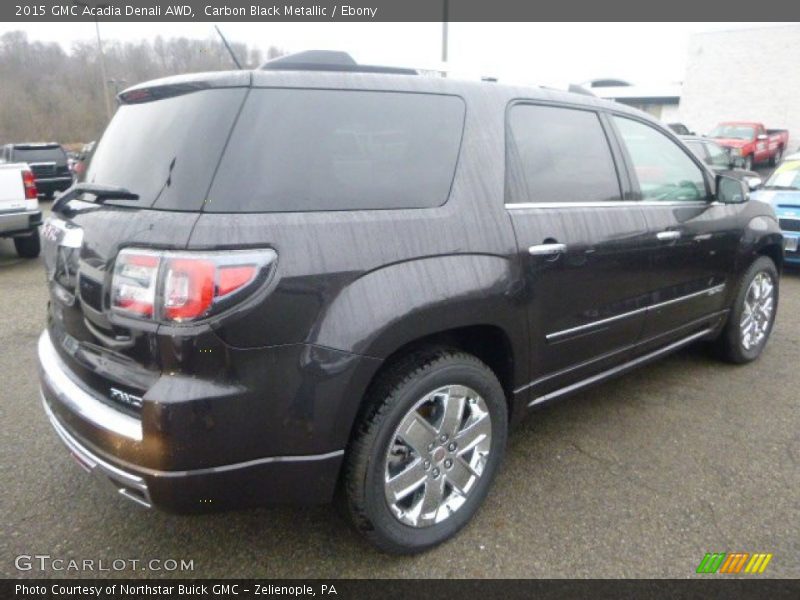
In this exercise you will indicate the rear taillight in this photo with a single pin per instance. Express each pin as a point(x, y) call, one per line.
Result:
point(29, 183)
point(185, 286)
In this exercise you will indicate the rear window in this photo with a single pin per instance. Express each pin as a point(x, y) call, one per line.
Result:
point(319, 150)
point(558, 155)
point(46, 154)
point(166, 150)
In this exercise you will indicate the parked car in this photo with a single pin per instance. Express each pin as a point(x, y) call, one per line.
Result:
point(680, 129)
point(306, 280)
point(719, 160)
point(20, 216)
point(48, 161)
point(782, 191)
point(79, 168)
point(751, 142)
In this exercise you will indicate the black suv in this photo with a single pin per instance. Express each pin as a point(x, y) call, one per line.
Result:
point(47, 161)
point(290, 285)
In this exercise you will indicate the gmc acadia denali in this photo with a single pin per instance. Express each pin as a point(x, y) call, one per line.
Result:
point(325, 280)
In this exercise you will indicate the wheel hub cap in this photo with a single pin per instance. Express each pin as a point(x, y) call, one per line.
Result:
point(436, 456)
point(759, 304)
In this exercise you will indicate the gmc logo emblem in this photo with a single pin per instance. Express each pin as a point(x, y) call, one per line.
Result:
point(125, 398)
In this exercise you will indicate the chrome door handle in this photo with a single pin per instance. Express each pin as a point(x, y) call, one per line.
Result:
point(547, 249)
point(667, 236)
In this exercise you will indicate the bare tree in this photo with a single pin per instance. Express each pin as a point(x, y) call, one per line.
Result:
point(49, 94)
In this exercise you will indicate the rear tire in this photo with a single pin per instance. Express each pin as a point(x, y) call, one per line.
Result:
point(28, 246)
point(406, 430)
point(749, 326)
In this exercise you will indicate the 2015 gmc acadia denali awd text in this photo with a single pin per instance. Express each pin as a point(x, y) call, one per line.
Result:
point(294, 284)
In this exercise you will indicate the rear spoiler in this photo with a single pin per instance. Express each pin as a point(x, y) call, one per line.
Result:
point(167, 87)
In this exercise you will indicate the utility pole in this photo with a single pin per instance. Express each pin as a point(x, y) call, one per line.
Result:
point(445, 17)
point(103, 69)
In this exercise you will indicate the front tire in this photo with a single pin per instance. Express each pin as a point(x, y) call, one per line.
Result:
point(28, 246)
point(776, 158)
point(425, 451)
point(753, 313)
point(748, 163)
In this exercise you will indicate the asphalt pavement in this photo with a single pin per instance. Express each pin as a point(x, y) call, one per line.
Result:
point(639, 477)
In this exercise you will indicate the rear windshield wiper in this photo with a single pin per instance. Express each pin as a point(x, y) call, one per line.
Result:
point(100, 192)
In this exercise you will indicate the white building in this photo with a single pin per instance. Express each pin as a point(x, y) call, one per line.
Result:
point(660, 101)
point(744, 75)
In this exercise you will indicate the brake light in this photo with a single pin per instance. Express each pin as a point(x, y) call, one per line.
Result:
point(29, 183)
point(188, 288)
point(133, 289)
point(184, 286)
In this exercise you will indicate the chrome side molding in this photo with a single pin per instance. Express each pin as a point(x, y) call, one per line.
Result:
point(557, 335)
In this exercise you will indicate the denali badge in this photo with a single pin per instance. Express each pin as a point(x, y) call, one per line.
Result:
point(125, 398)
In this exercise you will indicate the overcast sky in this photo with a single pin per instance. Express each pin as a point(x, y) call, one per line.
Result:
point(536, 53)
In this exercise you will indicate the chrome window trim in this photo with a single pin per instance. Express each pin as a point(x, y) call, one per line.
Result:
point(717, 289)
point(608, 204)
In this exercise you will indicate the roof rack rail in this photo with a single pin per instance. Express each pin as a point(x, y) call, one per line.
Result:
point(328, 60)
point(579, 89)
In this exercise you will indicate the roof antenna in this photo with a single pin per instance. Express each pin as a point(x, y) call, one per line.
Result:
point(228, 46)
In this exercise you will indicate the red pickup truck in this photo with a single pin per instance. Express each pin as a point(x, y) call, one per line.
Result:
point(751, 143)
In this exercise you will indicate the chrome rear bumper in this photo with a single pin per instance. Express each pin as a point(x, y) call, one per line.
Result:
point(127, 484)
point(73, 396)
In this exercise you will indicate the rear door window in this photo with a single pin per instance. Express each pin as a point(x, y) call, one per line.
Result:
point(558, 154)
point(166, 150)
point(320, 150)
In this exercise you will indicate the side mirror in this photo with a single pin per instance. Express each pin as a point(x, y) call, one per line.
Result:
point(731, 190)
point(761, 136)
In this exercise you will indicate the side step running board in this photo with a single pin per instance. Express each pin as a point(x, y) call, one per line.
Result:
point(620, 369)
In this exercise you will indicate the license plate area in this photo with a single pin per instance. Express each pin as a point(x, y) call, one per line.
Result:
point(790, 244)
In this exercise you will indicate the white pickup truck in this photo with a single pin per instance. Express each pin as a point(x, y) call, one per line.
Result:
point(20, 216)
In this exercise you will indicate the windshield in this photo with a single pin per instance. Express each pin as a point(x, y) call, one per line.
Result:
point(41, 154)
point(167, 150)
point(785, 177)
point(736, 132)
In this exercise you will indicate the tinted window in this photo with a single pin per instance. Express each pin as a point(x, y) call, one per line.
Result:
point(560, 154)
point(309, 150)
point(717, 156)
point(45, 154)
point(166, 150)
point(664, 169)
point(738, 132)
point(698, 149)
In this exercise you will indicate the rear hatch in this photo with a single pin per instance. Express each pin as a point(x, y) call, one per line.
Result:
point(164, 145)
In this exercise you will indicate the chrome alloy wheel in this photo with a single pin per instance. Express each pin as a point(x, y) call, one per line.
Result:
point(759, 303)
point(437, 455)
